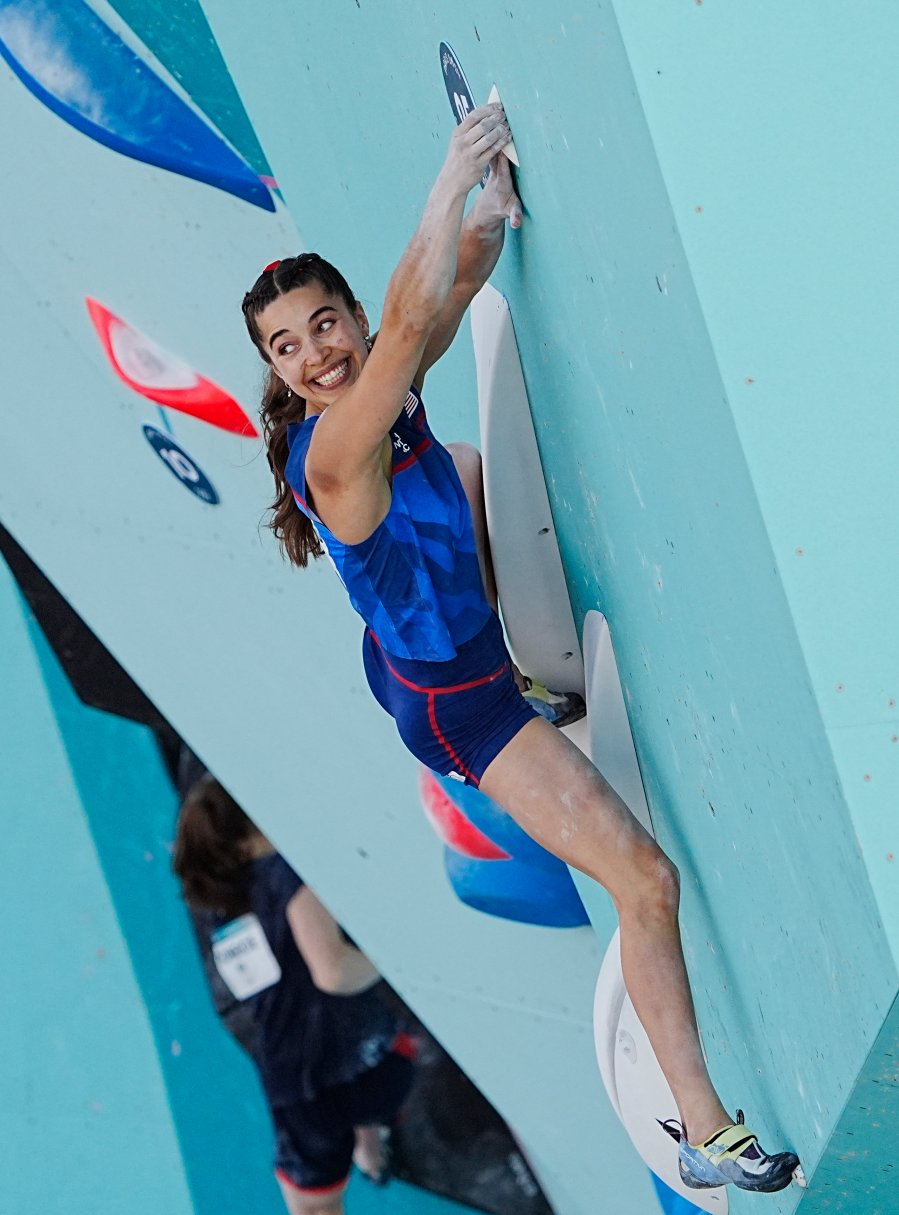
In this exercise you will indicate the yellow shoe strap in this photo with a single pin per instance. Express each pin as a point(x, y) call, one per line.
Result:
point(733, 1139)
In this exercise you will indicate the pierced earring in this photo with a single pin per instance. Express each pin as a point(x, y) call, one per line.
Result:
point(289, 391)
point(369, 342)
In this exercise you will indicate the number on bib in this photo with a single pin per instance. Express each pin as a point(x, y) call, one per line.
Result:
point(244, 958)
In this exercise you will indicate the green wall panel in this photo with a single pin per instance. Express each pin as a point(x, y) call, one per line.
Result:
point(177, 33)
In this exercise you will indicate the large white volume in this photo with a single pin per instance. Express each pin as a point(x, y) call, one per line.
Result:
point(529, 575)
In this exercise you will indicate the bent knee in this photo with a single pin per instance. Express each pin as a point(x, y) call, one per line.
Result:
point(669, 880)
point(654, 886)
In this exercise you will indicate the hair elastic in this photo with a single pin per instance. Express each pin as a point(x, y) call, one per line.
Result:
point(272, 266)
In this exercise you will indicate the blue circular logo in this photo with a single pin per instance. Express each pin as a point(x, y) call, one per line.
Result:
point(181, 465)
point(456, 85)
point(457, 89)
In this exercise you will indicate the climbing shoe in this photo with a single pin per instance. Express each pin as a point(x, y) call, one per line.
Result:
point(733, 1155)
point(559, 708)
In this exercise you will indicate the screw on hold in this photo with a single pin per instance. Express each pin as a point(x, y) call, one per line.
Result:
point(628, 1046)
point(568, 654)
point(544, 531)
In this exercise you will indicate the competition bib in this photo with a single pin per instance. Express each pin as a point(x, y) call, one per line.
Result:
point(244, 958)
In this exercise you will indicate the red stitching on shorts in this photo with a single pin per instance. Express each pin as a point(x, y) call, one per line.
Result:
point(456, 687)
point(432, 718)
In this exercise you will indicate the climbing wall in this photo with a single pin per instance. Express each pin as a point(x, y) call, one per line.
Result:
point(147, 517)
point(701, 294)
point(109, 1045)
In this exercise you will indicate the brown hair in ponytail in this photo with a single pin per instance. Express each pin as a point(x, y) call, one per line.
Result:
point(210, 855)
point(280, 408)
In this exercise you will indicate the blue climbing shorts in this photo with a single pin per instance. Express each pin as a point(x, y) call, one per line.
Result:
point(456, 716)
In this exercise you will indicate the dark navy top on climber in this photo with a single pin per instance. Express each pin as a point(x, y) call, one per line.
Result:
point(307, 1041)
point(416, 580)
point(434, 653)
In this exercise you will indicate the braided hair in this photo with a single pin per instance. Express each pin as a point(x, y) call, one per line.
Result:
point(280, 407)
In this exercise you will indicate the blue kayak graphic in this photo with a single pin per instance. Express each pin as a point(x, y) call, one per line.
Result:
point(492, 865)
point(82, 71)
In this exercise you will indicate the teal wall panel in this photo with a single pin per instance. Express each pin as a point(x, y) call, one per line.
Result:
point(85, 1119)
point(661, 504)
point(768, 130)
point(177, 33)
point(694, 189)
point(111, 1046)
point(129, 808)
point(858, 1172)
point(660, 519)
point(397, 1198)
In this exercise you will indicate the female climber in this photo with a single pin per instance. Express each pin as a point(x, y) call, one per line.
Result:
point(359, 473)
point(332, 1064)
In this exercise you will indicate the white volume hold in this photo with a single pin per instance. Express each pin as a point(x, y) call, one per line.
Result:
point(509, 150)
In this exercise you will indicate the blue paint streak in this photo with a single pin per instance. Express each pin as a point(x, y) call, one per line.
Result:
point(74, 63)
point(532, 887)
point(672, 1203)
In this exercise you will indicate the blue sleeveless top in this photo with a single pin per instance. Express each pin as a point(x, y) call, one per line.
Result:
point(416, 580)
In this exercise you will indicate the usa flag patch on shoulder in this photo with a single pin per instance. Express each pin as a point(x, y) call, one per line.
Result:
point(411, 403)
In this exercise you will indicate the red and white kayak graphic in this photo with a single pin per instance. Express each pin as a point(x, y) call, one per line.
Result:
point(453, 825)
point(164, 378)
